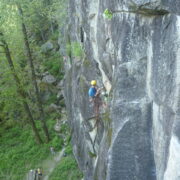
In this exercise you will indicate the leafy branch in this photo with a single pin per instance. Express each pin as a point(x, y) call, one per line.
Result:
point(108, 14)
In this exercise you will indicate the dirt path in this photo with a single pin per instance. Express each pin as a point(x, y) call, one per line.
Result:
point(49, 165)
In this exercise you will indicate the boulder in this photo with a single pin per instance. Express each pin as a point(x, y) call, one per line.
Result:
point(48, 78)
point(60, 84)
point(48, 46)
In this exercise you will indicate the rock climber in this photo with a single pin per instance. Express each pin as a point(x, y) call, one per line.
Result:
point(94, 94)
point(39, 174)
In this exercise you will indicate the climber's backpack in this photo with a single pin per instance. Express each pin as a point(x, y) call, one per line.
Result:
point(92, 91)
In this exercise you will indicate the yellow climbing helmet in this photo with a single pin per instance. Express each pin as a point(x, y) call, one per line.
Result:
point(93, 82)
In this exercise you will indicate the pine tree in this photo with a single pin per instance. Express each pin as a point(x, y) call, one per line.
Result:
point(33, 74)
point(20, 88)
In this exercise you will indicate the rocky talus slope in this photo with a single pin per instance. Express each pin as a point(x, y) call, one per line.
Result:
point(135, 55)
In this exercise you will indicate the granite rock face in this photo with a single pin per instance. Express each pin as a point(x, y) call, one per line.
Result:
point(135, 55)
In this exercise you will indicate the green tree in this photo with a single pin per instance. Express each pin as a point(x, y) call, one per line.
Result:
point(33, 75)
point(20, 89)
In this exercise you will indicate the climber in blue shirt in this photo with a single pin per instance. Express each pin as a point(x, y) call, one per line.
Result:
point(94, 94)
point(92, 90)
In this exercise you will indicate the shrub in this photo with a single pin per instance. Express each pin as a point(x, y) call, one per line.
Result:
point(74, 49)
point(57, 143)
point(54, 65)
point(77, 49)
point(108, 14)
point(68, 149)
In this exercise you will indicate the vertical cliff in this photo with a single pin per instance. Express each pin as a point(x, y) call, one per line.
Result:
point(135, 55)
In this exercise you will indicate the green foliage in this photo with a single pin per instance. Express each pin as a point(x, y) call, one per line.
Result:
point(68, 150)
point(10, 102)
point(62, 103)
point(64, 128)
point(67, 169)
point(57, 143)
point(108, 14)
point(77, 50)
point(57, 12)
point(51, 117)
point(68, 139)
point(42, 18)
point(18, 152)
point(74, 49)
point(55, 36)
point(52, 99)
point(54, 64)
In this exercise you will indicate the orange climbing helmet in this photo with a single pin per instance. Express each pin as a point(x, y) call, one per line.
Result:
point(93, 82)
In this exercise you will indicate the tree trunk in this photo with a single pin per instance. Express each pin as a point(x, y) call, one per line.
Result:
point(42, 35)
point(30, 59)
point(52, 28)
point(21, 92)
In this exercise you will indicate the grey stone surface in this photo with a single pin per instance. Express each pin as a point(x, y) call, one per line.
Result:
point(48, 78)
point(148, 7)
point(47, 47)
point(60, 84)
point(136, 56)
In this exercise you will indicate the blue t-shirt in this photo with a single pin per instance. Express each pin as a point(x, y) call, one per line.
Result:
point(92, 91)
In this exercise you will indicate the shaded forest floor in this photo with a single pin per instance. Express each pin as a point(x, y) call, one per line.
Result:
point(50, 164)
point(19, 153)
point(47, 166)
